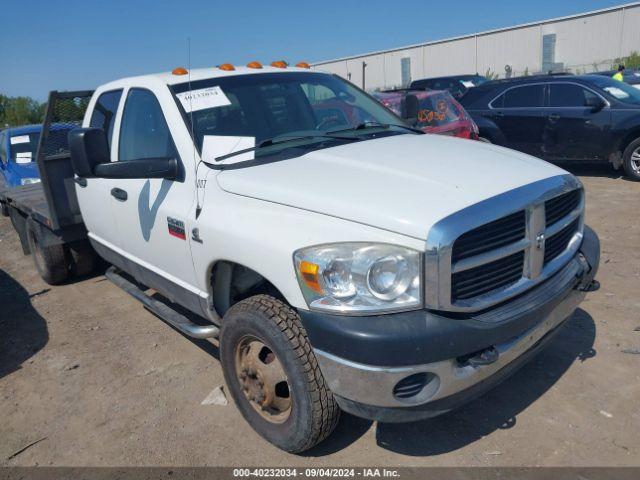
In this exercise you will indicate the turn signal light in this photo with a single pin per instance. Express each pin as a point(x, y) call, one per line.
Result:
point(309, 273)
point(179, 71)
point(227, 67)
point(279, 64)
point(303, 65)
point(254, 65)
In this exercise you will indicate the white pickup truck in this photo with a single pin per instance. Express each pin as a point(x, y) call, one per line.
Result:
point(344, 260)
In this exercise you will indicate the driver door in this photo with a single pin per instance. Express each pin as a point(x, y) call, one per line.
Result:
point(153, 214)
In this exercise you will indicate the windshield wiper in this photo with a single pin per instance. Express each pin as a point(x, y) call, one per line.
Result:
point(384, 126)
point(269, 142)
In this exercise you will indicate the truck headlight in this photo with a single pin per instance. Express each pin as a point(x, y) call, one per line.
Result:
point(359, 278)
point(29, 181)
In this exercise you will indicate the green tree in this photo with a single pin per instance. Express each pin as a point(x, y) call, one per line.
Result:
point(15, 111)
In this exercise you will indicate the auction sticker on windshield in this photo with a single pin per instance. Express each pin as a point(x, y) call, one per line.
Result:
point(204, 98)
point(19, 139)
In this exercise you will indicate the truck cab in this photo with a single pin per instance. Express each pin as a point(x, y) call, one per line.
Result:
point(359, 265)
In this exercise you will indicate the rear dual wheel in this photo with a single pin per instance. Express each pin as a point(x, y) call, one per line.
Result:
point(273, 376)
point(56, 263)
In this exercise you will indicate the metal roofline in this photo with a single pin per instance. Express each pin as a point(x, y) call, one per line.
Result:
point(479, 34)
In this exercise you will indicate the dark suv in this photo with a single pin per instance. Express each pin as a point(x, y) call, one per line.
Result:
point(561, 117)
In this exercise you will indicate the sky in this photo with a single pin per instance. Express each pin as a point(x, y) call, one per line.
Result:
point(71, 45)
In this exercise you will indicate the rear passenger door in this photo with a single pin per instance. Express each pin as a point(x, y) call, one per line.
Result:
point(94, 193)
point(517, 112)
point(573, 130)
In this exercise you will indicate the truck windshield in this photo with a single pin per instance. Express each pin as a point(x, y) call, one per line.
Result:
point(23, 147)
point(266, 107)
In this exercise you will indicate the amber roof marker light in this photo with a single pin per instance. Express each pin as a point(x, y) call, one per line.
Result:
point(227, 67)
point(254, 65)
point(303, 65)
point(179, 71)
point(279, 64)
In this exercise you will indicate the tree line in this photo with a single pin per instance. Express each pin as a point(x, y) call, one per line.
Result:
point(15, 111)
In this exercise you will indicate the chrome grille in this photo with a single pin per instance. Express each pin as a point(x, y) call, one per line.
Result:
point(488, 237)
point(559, 207)
point(559, 242)
point(501, 247)
point(479, 280)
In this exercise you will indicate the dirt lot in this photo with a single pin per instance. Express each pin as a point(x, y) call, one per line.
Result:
point(95, 379)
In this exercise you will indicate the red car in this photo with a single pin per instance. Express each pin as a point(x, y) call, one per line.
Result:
point(437, 111)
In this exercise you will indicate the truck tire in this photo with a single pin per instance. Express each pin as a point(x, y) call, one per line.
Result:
point(273, 376)
point(83, 259)
point(51, 261)
point(631, 160)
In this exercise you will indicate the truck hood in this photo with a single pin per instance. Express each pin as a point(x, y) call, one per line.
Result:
point(401, 183)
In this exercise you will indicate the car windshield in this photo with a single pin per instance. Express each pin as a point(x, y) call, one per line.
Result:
point(619, 90)
point(23, 147)
point(270, 112)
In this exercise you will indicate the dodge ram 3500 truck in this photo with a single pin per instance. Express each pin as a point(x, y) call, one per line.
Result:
point(344, 263)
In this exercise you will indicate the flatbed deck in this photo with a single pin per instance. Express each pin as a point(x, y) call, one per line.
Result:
point(29, 199)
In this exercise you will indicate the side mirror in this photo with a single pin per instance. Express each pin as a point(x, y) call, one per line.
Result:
point(88, 148)
point(410, 110)
point(143, 168)
point(596, 104)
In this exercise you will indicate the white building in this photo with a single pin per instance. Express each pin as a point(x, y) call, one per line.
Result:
point(578, 43)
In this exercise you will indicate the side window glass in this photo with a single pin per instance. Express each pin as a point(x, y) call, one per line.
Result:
point(144, 132)
point(104, 112)
point(524, 97)
point(568, 95)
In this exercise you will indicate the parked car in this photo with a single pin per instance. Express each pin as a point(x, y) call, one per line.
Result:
point(18, 151)
point(561, 118)
point(368, 268)
point(457, 85)
point(437, 111)
point(630, 76)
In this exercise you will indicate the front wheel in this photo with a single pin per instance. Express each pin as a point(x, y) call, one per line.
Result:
point(631, 160)
point(273, 376)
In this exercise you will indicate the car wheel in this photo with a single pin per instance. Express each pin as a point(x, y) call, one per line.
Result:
point(484, 139)
point(273, 376)
point(51, 260)
point(631, 160)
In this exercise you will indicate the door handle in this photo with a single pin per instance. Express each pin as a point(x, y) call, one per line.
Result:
point(119, 194)
point(554, 117)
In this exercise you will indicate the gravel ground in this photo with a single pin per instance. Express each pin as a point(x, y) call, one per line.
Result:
point(90, 378)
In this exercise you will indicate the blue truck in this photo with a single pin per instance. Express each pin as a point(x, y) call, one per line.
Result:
point(18, 146)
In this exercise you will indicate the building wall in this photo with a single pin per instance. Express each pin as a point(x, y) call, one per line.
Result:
point(583, 43)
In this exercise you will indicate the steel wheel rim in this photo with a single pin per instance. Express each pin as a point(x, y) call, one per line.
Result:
point(262, 379)
point(635, 160)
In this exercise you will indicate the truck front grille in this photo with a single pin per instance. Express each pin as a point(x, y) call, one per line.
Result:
point(559, 242)
point(561, 206)
point(515, 249)
point(479, 280)
point(488, 237)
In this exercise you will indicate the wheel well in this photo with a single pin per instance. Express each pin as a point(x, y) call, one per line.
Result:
point(628, 139)
point(232, 282)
